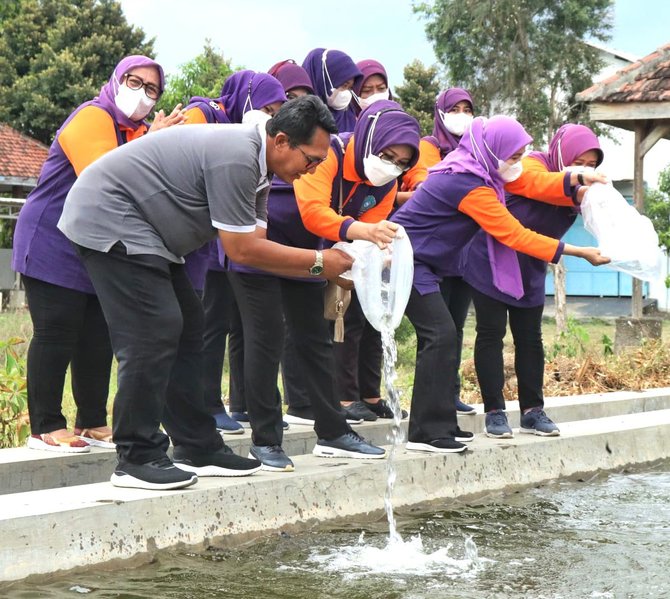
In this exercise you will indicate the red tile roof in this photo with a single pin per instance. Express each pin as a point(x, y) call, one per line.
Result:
point(20, 156)
point(647, 80)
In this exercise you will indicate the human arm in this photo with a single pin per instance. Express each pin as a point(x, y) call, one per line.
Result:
point(482, 205)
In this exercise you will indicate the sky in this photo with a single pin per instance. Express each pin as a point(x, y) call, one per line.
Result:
point(257, 33)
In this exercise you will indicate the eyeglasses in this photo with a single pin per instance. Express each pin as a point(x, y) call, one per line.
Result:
point(135, 82)
point(403, 166)
point(312, 161)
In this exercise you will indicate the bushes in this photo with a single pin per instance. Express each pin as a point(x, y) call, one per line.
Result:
point(14, 423)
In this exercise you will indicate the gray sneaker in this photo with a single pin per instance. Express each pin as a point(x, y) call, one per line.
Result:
point(536, 422)
point(497, 426)
point(349, 445)
point(272, 457)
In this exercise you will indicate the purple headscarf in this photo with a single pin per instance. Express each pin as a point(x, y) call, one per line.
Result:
point(445, 102)
point(393, 126)
point(245, 90)
point(484, 143)
point(291, 75)
point(338, 69)
point(568, 144)
point(108, 91)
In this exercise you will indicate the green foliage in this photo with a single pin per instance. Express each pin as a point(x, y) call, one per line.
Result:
point(14, 424)
point(608, 345)
point(418, 93)
point(570, 343)
point(203, 76)
point(657, 208)
point(522, 57)
point(56, 54)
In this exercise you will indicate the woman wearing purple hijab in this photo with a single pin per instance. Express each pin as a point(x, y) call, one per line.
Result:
point(454, 111)
point(372, 87)
point(573, 146)
point(69, 328)
point(246, 97)
point(334, 74)
point(293, 77)
point(463, 193)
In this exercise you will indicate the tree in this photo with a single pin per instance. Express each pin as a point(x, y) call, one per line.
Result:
point(56, 54)
point(522, 57)
point(418, 93)
point(657, 208)
point(203, 76)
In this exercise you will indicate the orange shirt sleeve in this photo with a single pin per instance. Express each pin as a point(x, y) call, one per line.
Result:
point(89, 135)
point(381, 210)
point(429, 155)
point(313, 194)
point(195, 116)
point(537, 183)
point(482, 205)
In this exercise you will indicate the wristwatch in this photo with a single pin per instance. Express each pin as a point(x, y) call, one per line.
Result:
point(317, 268)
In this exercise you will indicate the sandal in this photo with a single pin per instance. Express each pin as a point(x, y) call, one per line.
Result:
point(47, 442)
point(95, 437)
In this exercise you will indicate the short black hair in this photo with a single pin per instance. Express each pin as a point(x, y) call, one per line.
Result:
point(299, 119)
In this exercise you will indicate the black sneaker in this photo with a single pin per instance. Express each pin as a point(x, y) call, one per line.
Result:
point(446, 445)
point(300, 416)
point(357, 412)
point(157, 475)
point(222, 462)
point(463, 436)
point(272, 457)
point(349, 445)
point(382, 409)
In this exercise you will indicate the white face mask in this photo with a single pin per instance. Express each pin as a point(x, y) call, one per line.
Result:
point(509, 172)
point(257, 117)
point(365, 102)
point(456, 122)
point(379, 172)
point(134, 103)
point(579, 169)
point(339, 99)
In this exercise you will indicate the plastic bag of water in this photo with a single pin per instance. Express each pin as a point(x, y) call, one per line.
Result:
point(623, 234)
point(382, 278)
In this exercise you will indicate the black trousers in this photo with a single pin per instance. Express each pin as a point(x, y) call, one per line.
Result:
point(309, 362)
point(222, 323)
point(259, 300)
point(155, 324)
point(69, 329)
point(433, 411)
point(358, 359)
point(526, 327)
point(457, 295)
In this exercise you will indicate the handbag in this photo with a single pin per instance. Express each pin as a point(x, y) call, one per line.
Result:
point(336, 299)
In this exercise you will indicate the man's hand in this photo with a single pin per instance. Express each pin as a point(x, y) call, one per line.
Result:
point(176, 117)
point(335, 262)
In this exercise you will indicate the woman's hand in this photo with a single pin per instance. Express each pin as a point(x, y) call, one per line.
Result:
point(590, 254)
point(586, 177)
point(176, 117)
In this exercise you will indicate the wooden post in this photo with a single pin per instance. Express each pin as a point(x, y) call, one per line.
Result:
point(638, 197)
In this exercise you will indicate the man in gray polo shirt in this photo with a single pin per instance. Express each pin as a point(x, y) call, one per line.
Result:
point(133, 214)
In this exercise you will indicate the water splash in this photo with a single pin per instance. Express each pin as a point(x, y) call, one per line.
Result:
point(398, 559)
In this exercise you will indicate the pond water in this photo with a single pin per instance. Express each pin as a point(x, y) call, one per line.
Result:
point(606, 537)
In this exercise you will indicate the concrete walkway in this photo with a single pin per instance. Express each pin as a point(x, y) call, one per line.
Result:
point(57, 515)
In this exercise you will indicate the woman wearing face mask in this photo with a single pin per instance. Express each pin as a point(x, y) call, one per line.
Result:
point(463, 193)
point(572, 146)
point(69, 328)
point(334, 75)
point(358, 358)
point(383, 144)
point(373, 86)
point(454, 110)
point(246, 97)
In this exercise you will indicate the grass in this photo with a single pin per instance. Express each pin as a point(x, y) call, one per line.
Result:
point(588, 332)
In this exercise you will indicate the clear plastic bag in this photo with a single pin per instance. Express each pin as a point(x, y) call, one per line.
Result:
point(623, 234)
point(382, 278)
